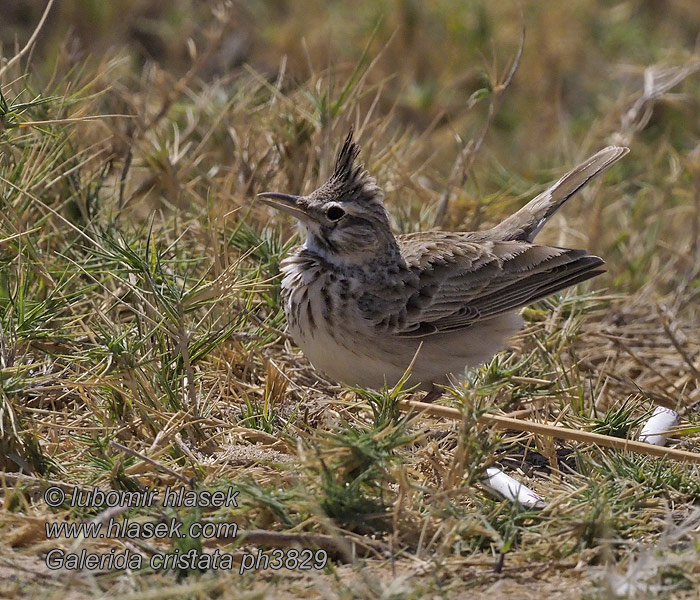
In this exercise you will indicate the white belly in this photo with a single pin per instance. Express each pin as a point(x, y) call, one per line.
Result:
point(373, 362)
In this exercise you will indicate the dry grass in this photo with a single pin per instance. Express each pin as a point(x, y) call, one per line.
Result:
point(142, 339)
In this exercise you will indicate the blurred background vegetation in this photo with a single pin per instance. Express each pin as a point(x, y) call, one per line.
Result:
point(579, 58)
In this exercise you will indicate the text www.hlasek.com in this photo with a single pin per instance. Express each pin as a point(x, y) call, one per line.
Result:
point(136, 529)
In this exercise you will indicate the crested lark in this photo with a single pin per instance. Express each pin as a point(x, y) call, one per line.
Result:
point(362, 303)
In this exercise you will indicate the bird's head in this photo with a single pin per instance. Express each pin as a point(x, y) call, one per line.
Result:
point(345, 219)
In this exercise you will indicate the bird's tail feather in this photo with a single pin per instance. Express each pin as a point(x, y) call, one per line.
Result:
point(526, 223)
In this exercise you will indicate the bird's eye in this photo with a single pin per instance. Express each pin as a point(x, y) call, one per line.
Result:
point(335, 213)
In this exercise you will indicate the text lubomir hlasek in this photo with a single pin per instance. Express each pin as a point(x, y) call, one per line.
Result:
point(170, 496)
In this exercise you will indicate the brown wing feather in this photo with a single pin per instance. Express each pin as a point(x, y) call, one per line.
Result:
point(458, 279)
point(460, 282)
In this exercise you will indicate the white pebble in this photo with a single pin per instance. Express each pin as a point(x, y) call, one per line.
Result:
point(655, 430)
point(511, 489)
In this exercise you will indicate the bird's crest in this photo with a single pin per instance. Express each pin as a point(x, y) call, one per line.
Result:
point(350, 180)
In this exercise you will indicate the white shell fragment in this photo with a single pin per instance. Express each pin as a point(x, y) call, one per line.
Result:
point(511, 489)
point(655, 430)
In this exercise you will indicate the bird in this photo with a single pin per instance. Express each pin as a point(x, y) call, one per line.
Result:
point(364, 304)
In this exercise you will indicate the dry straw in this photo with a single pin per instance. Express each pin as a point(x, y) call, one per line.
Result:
point(555, 431)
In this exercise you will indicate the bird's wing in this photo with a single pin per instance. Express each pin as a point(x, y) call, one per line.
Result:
point(455, 282)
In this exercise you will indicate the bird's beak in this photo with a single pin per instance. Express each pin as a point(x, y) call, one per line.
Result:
point(286, 203)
